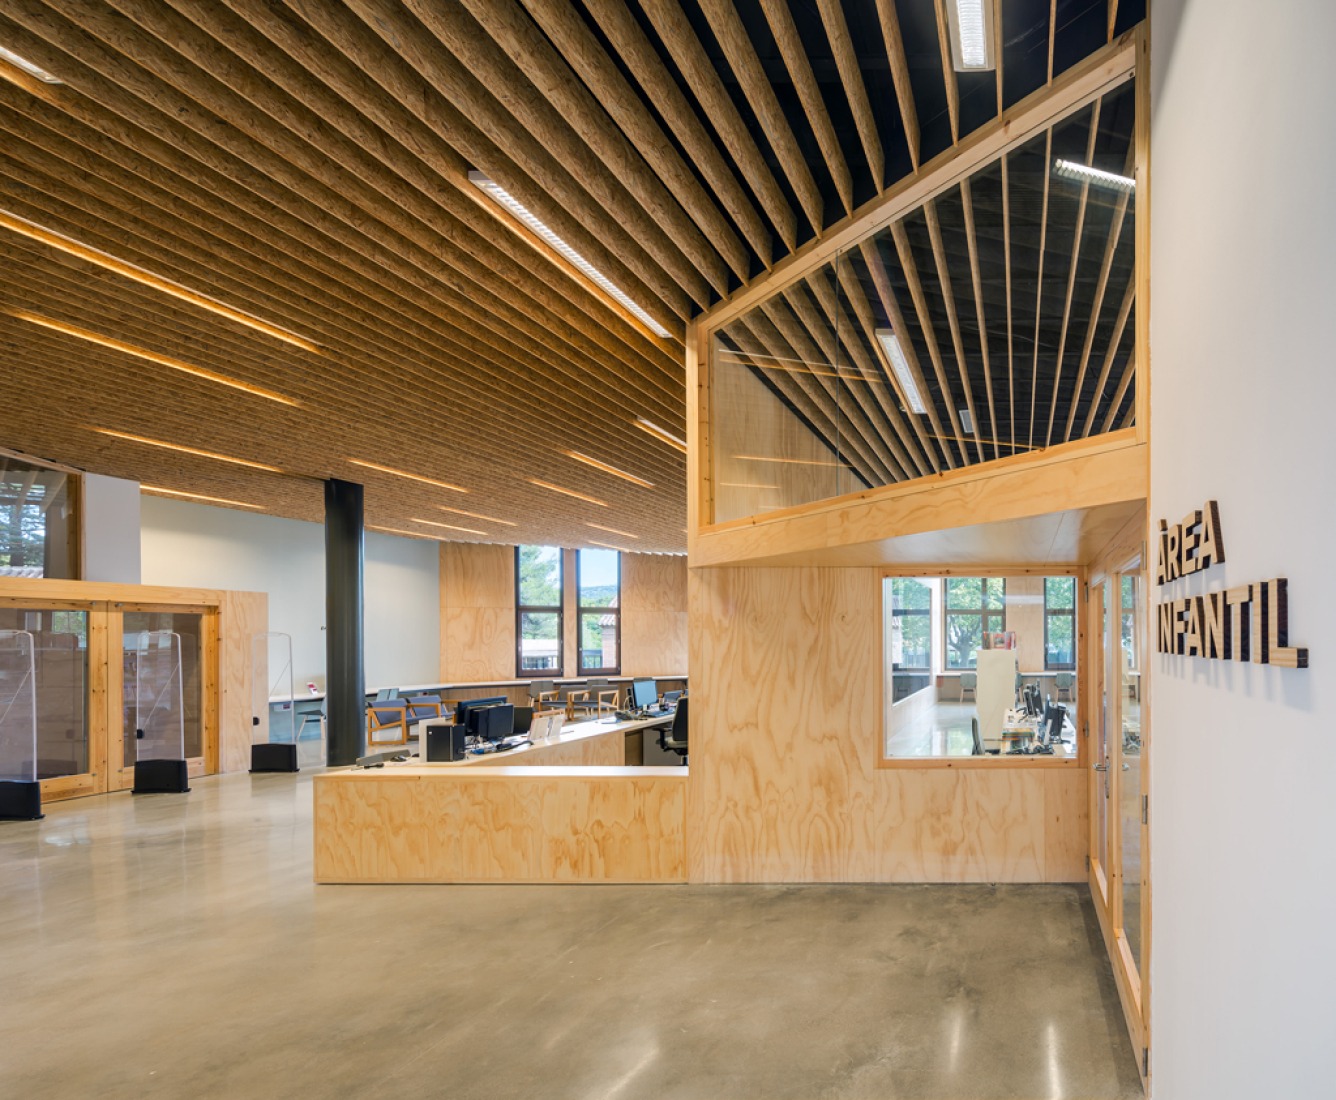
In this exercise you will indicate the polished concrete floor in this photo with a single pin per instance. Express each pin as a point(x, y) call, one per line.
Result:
point(174, 946)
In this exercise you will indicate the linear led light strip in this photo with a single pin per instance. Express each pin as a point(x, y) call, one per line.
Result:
point(973, 45)
point(447, 526)
point(405, 473)
point(530, 219)
point(792, 461)
point(150, 356)
point(609, 546)
point(660, 434)
point(609, 469)
point(36, 232)
point(1097, 177)
point(28, 67)
point(890, 346)
point(185, 450)
point(410, 534)
point(157, 490)
point(612, 530)
point(567, 492)
point(477, 515)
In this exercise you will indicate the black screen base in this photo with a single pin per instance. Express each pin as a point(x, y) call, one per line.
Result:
point(20, 801)
point(161, 777)
point(274, 758)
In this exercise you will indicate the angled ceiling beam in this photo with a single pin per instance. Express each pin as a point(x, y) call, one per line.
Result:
point(1111, 352)
point(741, 54)
point(1006, 255)
point(675, 30)
point(794, 52)
point(948, 70)
point(953, 322)
point(972, 243)
point(904, 91)
point(1073, 266)
point(634, 50)
point(673, 197)
point(1039, 283)
point(846, 60)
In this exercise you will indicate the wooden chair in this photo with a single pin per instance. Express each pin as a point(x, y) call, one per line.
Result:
point(969, 681)
point(544, 696)
point(1064, 682)
point(387, 715)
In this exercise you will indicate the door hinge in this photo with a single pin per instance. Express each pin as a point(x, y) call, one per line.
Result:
point(1145, 809)
point(1145, 1062)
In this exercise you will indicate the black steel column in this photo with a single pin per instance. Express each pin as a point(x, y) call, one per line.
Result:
point(345, 673)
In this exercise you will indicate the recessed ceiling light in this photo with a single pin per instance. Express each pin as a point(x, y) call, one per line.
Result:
point(660, 434)
point(410, 534)
point(28, 67)
point(612, 530)
point(890, 346)
point(533, 222)
point(567, 492)
point(157, 490)
point(105, 260)
point(609, 469)
point(477, 515)
point(447, 526)
point(1096, 177)
point(973, 36)
point(185, 450)
point(609, 546)
point(151, 356)
point(405, 473)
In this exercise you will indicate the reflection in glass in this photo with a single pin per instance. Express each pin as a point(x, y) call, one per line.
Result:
point(995, 319)
point(189, 626)
point(36, 520)
point(1132, 618)
point(60, 660)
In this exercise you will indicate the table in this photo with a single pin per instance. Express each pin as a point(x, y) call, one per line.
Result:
point(1025, 731)
point(596, 741)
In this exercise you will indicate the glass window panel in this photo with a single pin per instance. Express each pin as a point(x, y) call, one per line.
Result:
point(189, 626)
point(598, 642)
point(540, 641)
point(600, 578)
point(60, 659)
point(36, 521)
point(1130, 791)
point(539, 576)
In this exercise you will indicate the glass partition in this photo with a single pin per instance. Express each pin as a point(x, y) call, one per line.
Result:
point(60, 681)
point(273, 705)
point(1132, 631)
point(18, 708)
point(159, 713)
point(188, 626)
point(995, 319)
point(966, 674)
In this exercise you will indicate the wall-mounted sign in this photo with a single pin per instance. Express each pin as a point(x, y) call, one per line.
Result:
point(1247, 623)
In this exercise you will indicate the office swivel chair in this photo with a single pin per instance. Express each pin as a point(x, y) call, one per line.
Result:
point(978, 741)
point(674, 738)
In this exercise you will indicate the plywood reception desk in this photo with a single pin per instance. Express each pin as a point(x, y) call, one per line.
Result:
point(437, 823)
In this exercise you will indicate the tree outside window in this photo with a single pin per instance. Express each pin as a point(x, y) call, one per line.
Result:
point(911, 625)
point(973, 605)
point(1059, 622)
point(600, 585)
point(538, 585)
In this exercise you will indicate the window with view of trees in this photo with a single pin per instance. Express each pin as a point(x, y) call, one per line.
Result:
point(538, 584)
point(1060, 622)
point(600, 617)
point(973, 605)
point(911, 627)
point(36, 520)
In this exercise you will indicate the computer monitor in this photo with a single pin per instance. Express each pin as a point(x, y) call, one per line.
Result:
point(1055, 715)
point(491, 723)
point(462, 710)
point(644, 693)
point(670, 698)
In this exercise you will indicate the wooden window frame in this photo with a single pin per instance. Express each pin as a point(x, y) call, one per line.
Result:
point(581, 611)
point(1060, 613)
point(522, 609)
point(982, 612)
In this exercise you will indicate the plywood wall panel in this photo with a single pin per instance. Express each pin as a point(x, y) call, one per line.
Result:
point(477, 612)
point(654, 642)
point(242, 615)
point(1025, 615)
point(785, 782)
point(501, 825)
point(477, 575)
point(654, 582)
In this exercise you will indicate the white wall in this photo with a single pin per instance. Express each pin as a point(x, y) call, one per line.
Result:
point(195, 544)
point(1243, 811)
point(109, 529)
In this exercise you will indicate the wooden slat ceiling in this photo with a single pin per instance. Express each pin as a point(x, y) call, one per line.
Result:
point(306, 163)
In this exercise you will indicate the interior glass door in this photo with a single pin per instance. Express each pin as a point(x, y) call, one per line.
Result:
point(1101, 719)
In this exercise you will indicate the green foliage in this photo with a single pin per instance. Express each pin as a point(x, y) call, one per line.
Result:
point(540, 576)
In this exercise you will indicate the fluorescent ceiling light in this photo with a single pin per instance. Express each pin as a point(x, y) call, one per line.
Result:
point(659, 434)
point(477, 515)
point(150, 356)
point(965, 421)
point(612, 530)
point(405, 473)
point(609, 469)
point(532, 221)
point(185, 450)
point(28, 67)
point(973, 36)
point(159, 491)
point(1083, 173)
point(890, 346)
point(105, 260)
point(567, 492)
point(447, 526)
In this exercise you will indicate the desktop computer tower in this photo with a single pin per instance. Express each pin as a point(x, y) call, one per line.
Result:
point(445, 741)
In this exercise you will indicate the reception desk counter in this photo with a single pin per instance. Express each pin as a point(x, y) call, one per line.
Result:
point(423, 823)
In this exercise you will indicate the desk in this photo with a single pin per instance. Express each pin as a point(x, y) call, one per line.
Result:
point(592, 742)
point(438, 823)
point(1013, 733)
